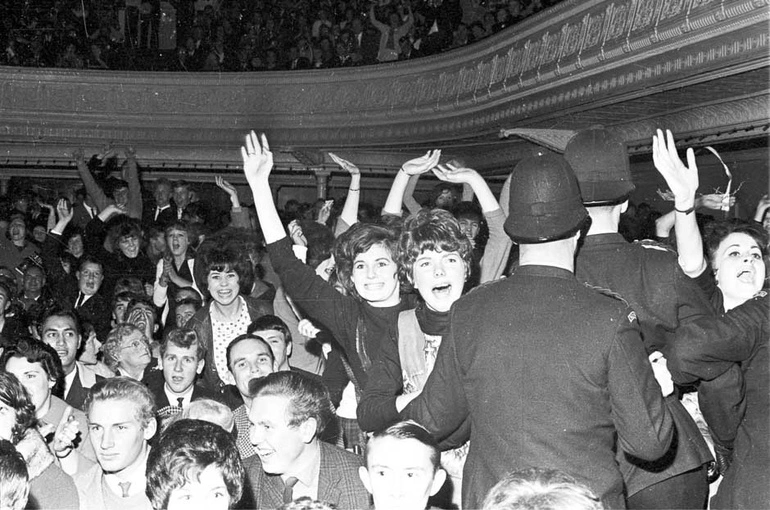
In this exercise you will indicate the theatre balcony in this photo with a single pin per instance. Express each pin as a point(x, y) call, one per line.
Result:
point(697, 67)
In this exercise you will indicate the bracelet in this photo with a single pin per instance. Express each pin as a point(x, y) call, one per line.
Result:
point(686, 211)
point(357, 189)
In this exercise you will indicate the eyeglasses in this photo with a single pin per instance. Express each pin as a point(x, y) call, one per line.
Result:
point(135, 345)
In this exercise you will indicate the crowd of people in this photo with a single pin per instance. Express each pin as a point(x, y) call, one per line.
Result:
point(236, 35)
point(497, 352)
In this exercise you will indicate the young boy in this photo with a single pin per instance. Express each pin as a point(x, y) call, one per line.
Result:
point(182, 357)
point(402, 467)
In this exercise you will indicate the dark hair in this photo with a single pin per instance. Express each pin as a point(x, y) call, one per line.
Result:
point(434, 229)
point(468, 210)
point(124, 295)
point(14, 478)
point(717, 231)
point(184, 338)
point(59, 311)
point(308, 398)
point(162, 182)
point(123, 388)
point(410, 430)
point(177, 225)
point(89, 259)
point(198, 300)
point(140, 299)
point(225, 259)
point(240, 338)
point(356, 240)
point(270, 323)
point(186, 448)
point(180, 184)
point(132, 284)
point(441, 187)
point(129, 227)
point(320, 240)
point(37, 352)
point(13, 394)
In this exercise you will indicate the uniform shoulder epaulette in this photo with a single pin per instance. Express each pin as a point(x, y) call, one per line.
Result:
point(606, 292)
point(654, 245)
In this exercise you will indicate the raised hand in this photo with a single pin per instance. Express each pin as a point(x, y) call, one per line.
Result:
point(79, 155)
point(325, 212)
point(64, 210)
point(257, 158)
point(454, 174)
point(306, 328)
point(225, 186)
point(422, 164)
point(344, 163)
point(681, 179)
point(715, 201)
point(295, 232)
point(130, 152)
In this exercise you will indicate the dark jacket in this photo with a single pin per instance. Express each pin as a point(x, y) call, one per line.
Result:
point(550, 373)
point(201, 323)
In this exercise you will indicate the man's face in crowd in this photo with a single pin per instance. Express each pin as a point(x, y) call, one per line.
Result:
point(277, 342)
point(90, 278)
point(17, 230)
point(119, 310)
point(180, 366)
point(117, 434)
point(399, 473)
point(182, 196)
point(183, 313)
point(162, 195)
point(34, 279)
point(59, 332)
point(129, 245)
point(75, 245)
point(250, 359)
point(39, 233)
point(142, 316)
point(121, 197)
point(278, 444)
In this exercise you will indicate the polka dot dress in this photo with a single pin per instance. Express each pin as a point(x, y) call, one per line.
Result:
point(223, 333)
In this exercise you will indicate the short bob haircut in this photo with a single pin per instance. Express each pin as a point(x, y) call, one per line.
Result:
point(717, 231)
point(410, 430)
point(434, 229)
point(14, 478)
point(38, 352)
point(123, 388)
point(13, 394)
point(184, 338)
point(546, 489)
point(185, 450)
point(356, 240)
point(179, 225)
point(307, 398)
point(226, 259)
point(112, 347)
point(270, 323)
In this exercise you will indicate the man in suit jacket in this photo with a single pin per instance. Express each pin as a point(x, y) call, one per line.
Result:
point(164, 211)
point(182, 356)
point(88, 302)
point(288, 413)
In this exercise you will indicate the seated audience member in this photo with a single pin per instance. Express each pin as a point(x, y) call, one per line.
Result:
point(195, 465)
point(182, 358)
point(211, 411)
point(91, 352)
point(276, 333)
point(119, 303)
point(128, 260)
point(14, 246)
point(121, 419)
point(402, 467)
point(228, 280)
point(50, 487)
point(14, 479)
point(185, 309)
point(248, 357)
point(60, 329)
point(89, 303)
point(544, 489)
point(33, 287)
point(164, 211)
point(141, 312)
point(288, 413)
point(38, 368)
point(127, 352)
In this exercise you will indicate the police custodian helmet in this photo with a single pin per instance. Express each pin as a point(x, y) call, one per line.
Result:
point(545, 202)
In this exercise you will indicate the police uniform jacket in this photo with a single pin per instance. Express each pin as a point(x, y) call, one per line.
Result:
point(550, 373)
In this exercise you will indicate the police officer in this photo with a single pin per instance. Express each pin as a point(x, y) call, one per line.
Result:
point(549, 372)
point(667, 303)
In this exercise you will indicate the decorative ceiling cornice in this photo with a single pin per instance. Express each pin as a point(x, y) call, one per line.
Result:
point(563, 68)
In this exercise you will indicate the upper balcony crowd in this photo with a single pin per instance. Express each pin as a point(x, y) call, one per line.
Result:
point(240, 35)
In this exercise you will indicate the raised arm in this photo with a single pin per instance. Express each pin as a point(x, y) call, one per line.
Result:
point(350, 210)
point(382, 27)
point(131, 176)
point(412, 167)
point(762, 207)
point(683, 182)
point(239, 217)
point(92, 188)
point(257, 165)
